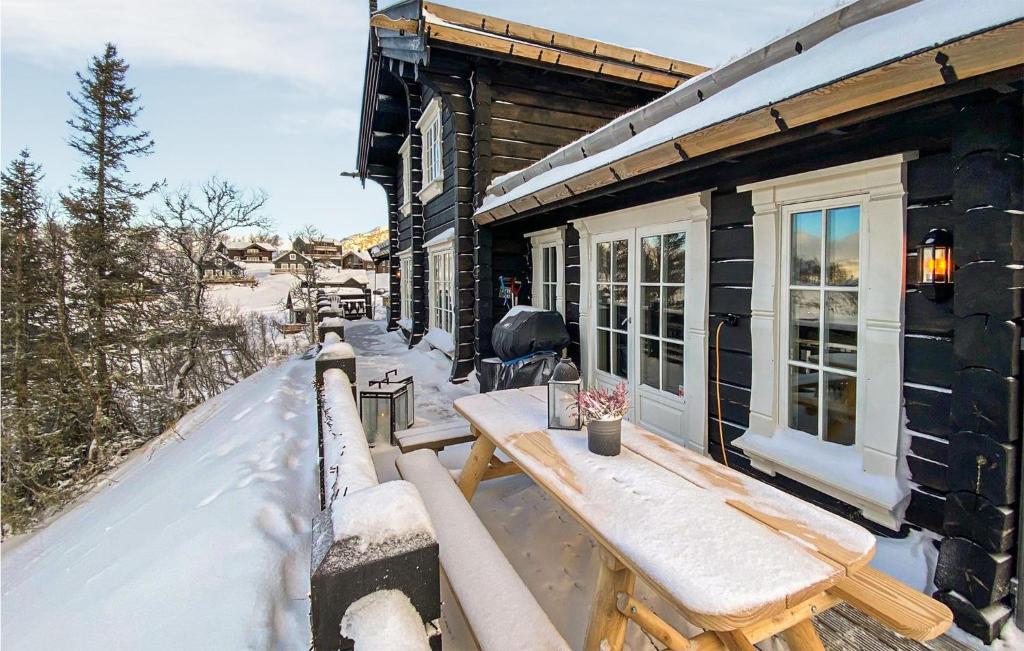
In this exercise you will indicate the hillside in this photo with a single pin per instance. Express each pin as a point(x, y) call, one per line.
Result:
point(363, 241)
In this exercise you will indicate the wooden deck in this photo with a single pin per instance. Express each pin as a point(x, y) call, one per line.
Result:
point(844, 628)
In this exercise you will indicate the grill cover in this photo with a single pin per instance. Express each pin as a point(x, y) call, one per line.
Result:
point(524, 331)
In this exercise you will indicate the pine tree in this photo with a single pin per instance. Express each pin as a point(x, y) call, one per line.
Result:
point(106, 249)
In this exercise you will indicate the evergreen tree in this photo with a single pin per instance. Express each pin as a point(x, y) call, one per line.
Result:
point(107, 252)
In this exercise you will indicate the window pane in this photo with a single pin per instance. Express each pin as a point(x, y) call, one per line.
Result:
point(551, 299)
point(603, 355)
point(841, 329)
point(672, 368)
point(675, 257)
point(621, 354)
point(843, 246)
point(650, 259)
point(604, 261)
point(649, 370)
point(803, 399)
point(673, 312)
point(620, 260)
point(650, 310)
point(804, 327)
point(841, 409)
point(621, 316)
point(552, 262)
point(604, 306)
point(806, 245)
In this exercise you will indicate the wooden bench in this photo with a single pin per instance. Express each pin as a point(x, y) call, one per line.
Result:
point(500, 613)
point(435, 436)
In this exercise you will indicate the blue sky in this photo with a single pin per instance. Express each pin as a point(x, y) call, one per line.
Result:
point(266, 93)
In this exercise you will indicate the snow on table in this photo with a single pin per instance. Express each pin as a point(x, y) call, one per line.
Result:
point(200, 541)
point(720, 565)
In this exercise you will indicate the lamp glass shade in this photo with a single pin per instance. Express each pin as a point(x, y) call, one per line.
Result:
point(564, 396)
point(935, 264)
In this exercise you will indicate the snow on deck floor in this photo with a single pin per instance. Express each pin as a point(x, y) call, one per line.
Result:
point(198, 542)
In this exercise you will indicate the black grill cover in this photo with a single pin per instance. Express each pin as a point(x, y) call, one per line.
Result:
point(529, 331)
point(530, 371)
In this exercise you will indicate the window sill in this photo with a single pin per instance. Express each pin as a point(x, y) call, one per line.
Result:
point(406, 208)
point(833, 469)
point(431, 190)
point(440, 340)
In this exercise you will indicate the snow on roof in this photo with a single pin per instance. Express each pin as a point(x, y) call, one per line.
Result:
point(244, 244)
point(445, 236)
point(853, 49)
point(335, 275)
point(287, 251)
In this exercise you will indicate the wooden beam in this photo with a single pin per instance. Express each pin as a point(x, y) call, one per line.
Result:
point(476, 465)
point(802, 637)
point(983, 53)
point(771, 626)
point(606, 629)
point(400, 25)
point(649, 621)
point(538, 54)
point(894, 604)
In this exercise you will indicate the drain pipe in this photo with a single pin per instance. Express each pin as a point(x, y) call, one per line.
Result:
point(1018, 615)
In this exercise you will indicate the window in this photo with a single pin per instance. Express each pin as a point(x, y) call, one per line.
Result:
point(406, 155)
point(442, 310)
point(291, 256)
point(405, 285)
point(662, 288)
point(821, 340)
point(827, 331)
point(612, 263)
point(429, 126)
point(548, 259)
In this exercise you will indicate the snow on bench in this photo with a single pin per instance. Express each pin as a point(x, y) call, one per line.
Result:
point(498, 607)
point(385, 619)
point(435, 436)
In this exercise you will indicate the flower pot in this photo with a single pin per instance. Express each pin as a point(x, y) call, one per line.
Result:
point(604, 437)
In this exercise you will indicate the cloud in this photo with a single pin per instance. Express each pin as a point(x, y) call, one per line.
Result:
point(339, 120)
point(313, 43)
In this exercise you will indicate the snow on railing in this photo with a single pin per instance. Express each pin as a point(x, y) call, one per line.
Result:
point(347, 461)
point(385, 619)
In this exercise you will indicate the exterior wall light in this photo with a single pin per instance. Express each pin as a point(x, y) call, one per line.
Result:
point(935, 265)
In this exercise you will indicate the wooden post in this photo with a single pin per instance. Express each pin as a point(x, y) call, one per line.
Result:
point(648, 620)
point(607, 624)
point(802, 637)
point(735, 640)
point(476, 465)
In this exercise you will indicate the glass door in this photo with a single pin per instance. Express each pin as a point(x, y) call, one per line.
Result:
point(612, 323)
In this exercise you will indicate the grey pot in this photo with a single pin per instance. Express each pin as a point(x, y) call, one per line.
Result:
point(604, 437)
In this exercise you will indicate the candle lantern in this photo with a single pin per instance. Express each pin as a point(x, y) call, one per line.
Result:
point(388, 405)
point(564, 396)
point(935, 265)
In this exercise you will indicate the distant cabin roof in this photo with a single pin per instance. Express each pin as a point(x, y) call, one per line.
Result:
point(866, 53)
point(284, 253)
point(245, 244)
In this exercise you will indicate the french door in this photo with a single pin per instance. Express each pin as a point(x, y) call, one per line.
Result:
point(638, 286)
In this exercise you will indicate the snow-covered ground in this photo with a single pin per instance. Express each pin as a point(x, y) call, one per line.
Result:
point(267, 296)
point(201, 541)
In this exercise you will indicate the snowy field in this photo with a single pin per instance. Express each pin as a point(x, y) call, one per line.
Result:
point(200, 541)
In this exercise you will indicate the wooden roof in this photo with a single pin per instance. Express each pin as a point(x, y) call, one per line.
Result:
point(445, 26)
point(973, 55)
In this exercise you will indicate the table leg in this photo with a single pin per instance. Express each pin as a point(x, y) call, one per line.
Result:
point(735, 641)
point(803, 637)
point(476, 465)
point(606, 622)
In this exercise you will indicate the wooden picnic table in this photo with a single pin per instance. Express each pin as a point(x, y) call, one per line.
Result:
point(735, 556)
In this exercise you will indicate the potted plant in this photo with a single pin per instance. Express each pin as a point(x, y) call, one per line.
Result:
point(602, 410)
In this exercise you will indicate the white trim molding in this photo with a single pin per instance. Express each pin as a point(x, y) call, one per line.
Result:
point(540, 240)
point(406, 155)
point(432, 151)
point(865, 474)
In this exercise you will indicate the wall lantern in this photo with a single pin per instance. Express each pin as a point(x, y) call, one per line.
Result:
point(935, 265)
point(387, 406)
point(564, 396)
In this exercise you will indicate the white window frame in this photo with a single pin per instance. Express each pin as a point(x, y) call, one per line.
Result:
point(405, 284)
point(553, 239)
point(432, 151)
point(441, 269)
point(864, 474)
point(406, 154)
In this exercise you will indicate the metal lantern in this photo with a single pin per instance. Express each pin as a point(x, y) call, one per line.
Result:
point(387, 406)
point(935, 265)
point(564, 396)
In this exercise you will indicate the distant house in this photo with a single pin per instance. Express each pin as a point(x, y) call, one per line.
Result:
point(247, 251)
point(321, 249)
point(357, 260)
point(219, 265)
point(380, 254)
point(291, 261)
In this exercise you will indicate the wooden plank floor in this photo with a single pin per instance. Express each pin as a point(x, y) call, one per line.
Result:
point(844, 628)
